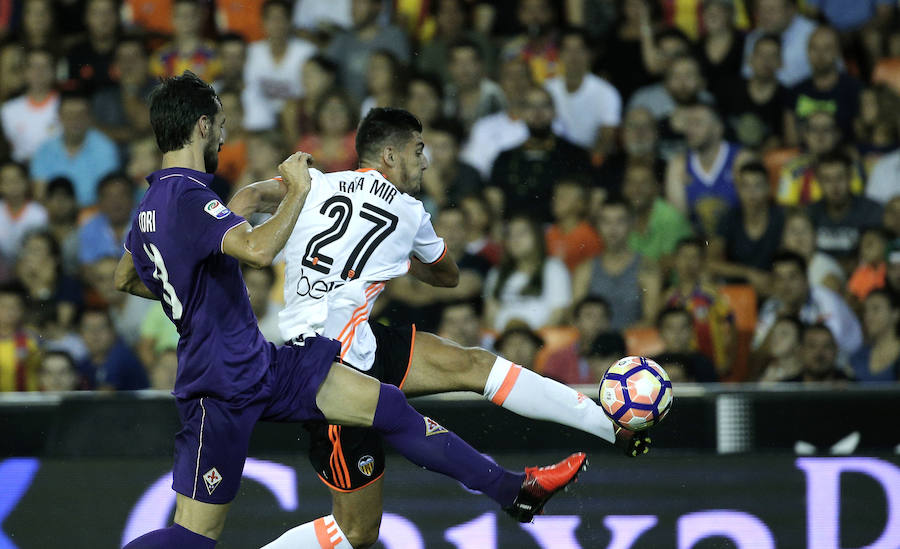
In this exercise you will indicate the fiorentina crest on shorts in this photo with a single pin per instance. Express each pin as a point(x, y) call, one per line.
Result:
point(432, 427)
point(212, 478)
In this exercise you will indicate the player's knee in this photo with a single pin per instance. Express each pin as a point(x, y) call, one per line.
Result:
point(478, 364)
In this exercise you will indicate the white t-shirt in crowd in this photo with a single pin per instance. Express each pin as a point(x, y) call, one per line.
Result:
point(27, 124)
point(13, 227)
point(311, 15)
point(535, 310)
point(595, 104)
point(822, 306)
point(884, 181)
point(268, 83)
point(489, 137)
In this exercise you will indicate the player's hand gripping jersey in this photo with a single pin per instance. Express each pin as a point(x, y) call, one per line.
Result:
point(355, 232)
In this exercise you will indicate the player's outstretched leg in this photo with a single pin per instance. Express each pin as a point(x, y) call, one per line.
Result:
point(440, 365)
point(423, 441)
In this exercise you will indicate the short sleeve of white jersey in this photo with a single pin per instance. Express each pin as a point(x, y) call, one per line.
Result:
point(428, 246)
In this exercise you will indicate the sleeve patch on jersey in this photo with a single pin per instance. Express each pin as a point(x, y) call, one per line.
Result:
point(216, 209)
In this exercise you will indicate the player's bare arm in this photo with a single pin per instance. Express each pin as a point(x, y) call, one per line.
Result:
point(442, 273)
point(259, 197)
point(127, 279)
point(258, 246)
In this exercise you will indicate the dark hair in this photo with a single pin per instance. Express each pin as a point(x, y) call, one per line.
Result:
point(607, 344)
point(49, 53)
point(14, 288)
point(399, 73)
point(465, 43)
point(672, 32)
point(638, 163)
point(672, 311)
point(519, 329)
point(507, 266)
point(60, 184)
point(324, 63)
point(231, 37)
point(62, 354)
point(73, 93)
point(786, 256)
point(450, 126)
point(817, 327)
point(100, 311)
point(592, 300)
point(175, 106)
point(767, 37)
point(463, 6)
point(132, 39)
point(892, 297)
point(476, 304)
point(430, 80)
point(344, 99)
point(691, 241)
point(793, 319)
point(836, 156)
point(23, 169)
point(754, 166)
point(46, 236)
point(617, 202)
point(384, 126)
point(580, 32)
point(111, 179)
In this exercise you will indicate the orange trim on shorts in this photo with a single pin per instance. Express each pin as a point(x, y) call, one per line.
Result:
point(331, 485)
point(336, 472)
point(340, 456)
point(506, 387)
point(412, 347)
point(322, 535)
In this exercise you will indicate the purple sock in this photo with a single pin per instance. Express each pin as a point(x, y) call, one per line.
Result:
point(173, 537)
point(427, 444)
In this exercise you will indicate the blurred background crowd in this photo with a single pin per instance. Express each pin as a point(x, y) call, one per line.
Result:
point(713, 183)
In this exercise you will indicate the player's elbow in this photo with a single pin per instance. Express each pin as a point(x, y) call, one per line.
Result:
point(448, 277)
point(449, 280)
point(261, 257)
point(122, 279)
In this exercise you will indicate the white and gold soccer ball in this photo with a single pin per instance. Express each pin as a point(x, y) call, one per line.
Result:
point(636, 393)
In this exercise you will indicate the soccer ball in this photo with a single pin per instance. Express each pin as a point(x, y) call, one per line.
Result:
point(636, 393)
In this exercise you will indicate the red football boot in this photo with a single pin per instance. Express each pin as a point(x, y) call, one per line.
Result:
point(541, 483)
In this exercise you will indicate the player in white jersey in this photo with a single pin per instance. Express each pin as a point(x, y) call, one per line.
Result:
point(357, 230)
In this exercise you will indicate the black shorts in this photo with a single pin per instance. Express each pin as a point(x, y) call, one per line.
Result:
point(350, 458)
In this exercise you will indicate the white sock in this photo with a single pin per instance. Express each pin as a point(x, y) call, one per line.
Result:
point(322, 533)
point(528, 394)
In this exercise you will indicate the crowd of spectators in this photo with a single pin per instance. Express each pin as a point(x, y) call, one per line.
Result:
point(712, 183)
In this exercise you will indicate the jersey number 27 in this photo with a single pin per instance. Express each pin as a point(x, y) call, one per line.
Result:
point(340, 208)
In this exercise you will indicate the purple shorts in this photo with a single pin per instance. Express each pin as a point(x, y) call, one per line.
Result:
point(212, 445)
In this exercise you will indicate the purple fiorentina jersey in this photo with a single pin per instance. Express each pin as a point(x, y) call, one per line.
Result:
point(176, 241)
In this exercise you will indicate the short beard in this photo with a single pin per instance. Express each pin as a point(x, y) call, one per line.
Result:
point(211, 158)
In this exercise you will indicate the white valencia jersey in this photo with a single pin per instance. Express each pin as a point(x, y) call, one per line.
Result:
point(356, 231)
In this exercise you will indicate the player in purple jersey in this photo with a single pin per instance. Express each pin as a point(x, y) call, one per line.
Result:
point(184, 249)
